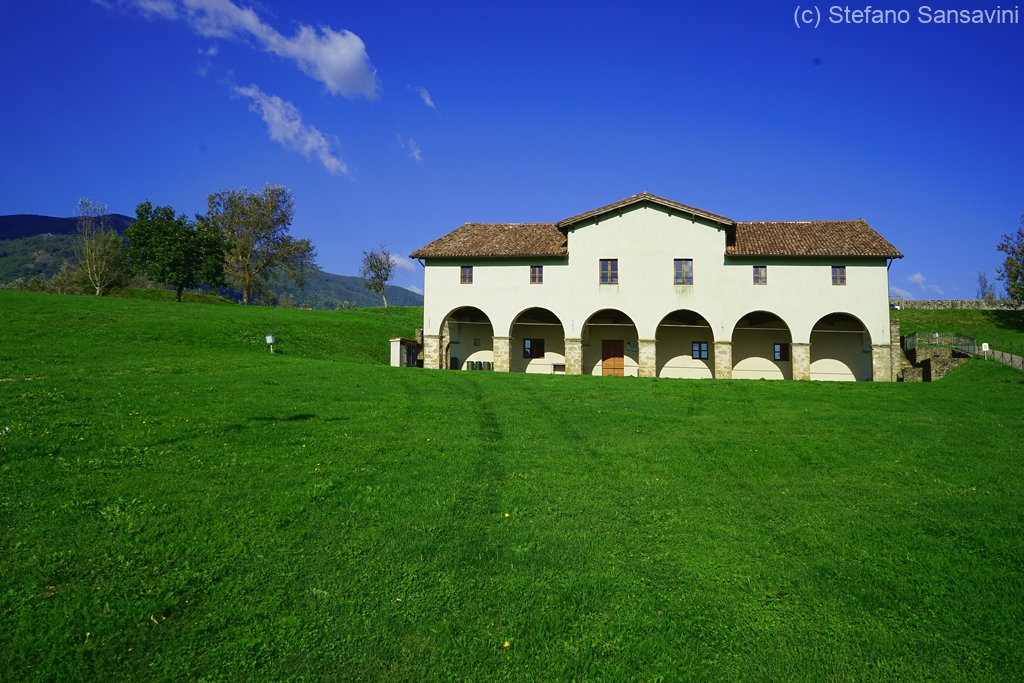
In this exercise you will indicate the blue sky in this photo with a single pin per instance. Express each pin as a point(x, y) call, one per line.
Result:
point(398, 122)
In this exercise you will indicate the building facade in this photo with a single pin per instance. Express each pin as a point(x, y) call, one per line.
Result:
point(652, 288)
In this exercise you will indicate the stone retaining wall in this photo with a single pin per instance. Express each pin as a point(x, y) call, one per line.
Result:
point(952, 304)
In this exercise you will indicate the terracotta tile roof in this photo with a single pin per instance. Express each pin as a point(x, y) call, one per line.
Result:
point(809, 238)
point(498, 239)
point(645, 197)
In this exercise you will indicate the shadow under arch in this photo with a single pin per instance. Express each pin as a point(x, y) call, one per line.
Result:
point(467, 336)
point(538, 342)
point(686, 346)
point(761, 347)
point(840, 349)
point(610, 344)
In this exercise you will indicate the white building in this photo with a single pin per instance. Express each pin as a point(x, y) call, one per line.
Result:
point(649, 287)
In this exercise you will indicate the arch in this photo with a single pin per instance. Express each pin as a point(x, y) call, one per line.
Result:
point(840, 349)
point(754, 340)
point(686, 346)
point(605, 331)
point(467, 335)
point(538, 342)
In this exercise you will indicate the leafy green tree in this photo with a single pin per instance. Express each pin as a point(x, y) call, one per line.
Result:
point(377, 270)
point(174, 250)
point(1011, 273)
point(262, 251)
point(102, 260)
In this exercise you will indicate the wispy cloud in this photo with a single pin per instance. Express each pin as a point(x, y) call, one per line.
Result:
point(414, 288)
point(338, 59)
point(901, 293)
point(919, 280)
point(425, 96)
point(285, 126)
point(405, 263)
point(415, 152)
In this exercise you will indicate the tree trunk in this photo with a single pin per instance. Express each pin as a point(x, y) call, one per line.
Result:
point(385, 299)
point(179, 294)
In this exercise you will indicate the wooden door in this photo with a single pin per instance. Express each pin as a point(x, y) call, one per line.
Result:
point(611, 357)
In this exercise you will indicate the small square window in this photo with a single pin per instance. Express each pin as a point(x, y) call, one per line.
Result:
point(609, 271)
point(700, 350)
point(684, 271)
point(839, 275)
point(536, 275)
point(476, 341)
point(533, 348)
point(467, 275)
point(760, 275)
point(781, 352)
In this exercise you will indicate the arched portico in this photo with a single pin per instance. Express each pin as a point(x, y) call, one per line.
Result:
point(685, 346)
point(537, 342)
point(762, 347)
point(840, 349)
point(610, 345)
point(466, 335)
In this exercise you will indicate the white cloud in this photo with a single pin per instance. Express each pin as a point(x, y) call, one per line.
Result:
point(901, 293)
point(405, 263)
point(425, 96)
point(919, 280)
point(338, 59)
point(284, 125)
point(414, 149)
point(414, 288)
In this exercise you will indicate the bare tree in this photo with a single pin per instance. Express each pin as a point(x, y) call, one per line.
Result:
point(100, 250)
point(985, 290)
point(377, 271)
point(256, 224)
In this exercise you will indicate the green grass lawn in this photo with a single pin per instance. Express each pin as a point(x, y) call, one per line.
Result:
point(1000, 329)
point(179, 504)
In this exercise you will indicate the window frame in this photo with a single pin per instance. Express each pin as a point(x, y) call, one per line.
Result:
point(681, 268)
point(465, 275)
point(530, 346)
point(781, 352)
point(760, 275)
point(838, 276)
point(699, 350)
point(536, 275)
point(609, 275)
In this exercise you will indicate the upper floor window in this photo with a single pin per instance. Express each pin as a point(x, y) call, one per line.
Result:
point(760, 275)
point(700, 350)
point(839, 275)
point(536, 275)
point(684, 271)
point(466, 277)
point(609, 271)
point(781, 352)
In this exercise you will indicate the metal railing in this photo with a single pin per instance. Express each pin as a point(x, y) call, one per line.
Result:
point(957, 341)
point(1014, 360)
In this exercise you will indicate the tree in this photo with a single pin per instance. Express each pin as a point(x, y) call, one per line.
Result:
point(985, 290)
point(102, 263)
point(256, 224)
point(1012, 271)
point(174, 250)
point(377, 271)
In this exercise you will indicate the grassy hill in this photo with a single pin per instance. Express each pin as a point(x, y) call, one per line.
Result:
point(1001, 329)
point(179, 504)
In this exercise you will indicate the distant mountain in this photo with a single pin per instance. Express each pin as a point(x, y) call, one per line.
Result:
point(46, 242)
point(26, 225)
point(327, 290)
